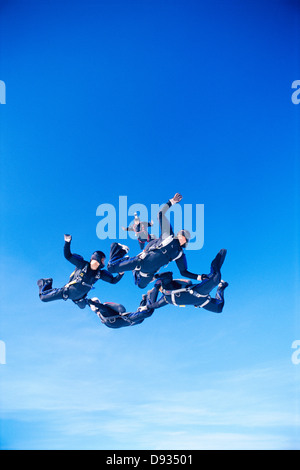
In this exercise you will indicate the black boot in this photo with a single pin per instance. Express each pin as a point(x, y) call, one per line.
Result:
point(44, 284)
point(218, 261)
point(117, 251)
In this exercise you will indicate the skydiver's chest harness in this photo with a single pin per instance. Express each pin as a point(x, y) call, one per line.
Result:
point(173, 296)
point(78, 279)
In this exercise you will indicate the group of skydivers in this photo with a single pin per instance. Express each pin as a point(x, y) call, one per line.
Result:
point(145, 267)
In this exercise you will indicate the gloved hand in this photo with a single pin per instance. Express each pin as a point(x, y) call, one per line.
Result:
point(201, 277)
point(92, 305)
point(176, 198)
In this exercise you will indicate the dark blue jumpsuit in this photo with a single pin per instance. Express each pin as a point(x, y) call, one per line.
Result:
point(141, 232)
point(181, 293)
point(80, 283)
point(114, 315)
point(158, 253)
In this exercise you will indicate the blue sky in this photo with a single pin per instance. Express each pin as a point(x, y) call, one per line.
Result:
point(145, 99)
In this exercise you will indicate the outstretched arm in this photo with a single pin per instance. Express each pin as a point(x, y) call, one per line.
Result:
point(77, 260)
point(182, 266)
point(165, 226)
point(108, 277)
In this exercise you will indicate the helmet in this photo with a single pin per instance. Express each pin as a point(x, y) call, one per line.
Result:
point(98, 255)
point(186, 234)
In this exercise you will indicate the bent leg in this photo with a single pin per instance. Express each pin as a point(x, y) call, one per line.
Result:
point(142, 279)
point(107, 311)
point(141, 244)
point(216, 305)
point(117, 251)
point(214, 278)
point(121, 265)
point(118, 262)
point(218, 261)
point(141, 314)
point(52, 294)
point(152, 295)
point(208, 284)
point(81, 303)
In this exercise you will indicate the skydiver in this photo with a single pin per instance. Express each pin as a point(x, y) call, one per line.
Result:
point(181, 292)
point(114, 315)
point(81, 281)
point(140, 230)
point(158, 252)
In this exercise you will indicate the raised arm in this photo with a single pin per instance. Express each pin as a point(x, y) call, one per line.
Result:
point(77, 260)
point(165, 226)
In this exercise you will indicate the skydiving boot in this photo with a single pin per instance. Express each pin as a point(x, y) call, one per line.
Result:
point(93, 303)
point(117, 251)
point(218, 261)
point(44, 284)
point(223, 285)
point(143, 305)
point(220, 291)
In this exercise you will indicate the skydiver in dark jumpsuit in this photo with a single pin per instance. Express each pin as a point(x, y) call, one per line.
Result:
point(114, 315)
point(158, 252)
point(175, 291)
point(81, 281)
point(181, 293)
point(140, 230)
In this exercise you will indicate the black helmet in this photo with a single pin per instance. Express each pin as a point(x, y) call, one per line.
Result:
point(186, 234)
point(98, 255)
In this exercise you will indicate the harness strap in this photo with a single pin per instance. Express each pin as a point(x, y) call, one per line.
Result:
point(71, 283)
point(78, 279)
point(146, 274)
point(113, 318)
point(164, 243)
point(177, 292)
point(205, 303)
point(87, 285)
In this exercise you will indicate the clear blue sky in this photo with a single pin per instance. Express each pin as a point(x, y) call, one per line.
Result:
point(145, 99)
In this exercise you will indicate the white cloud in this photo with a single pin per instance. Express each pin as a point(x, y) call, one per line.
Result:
point(220, 411)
